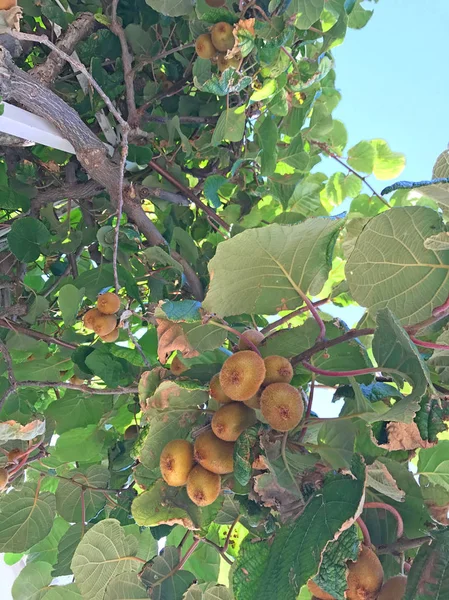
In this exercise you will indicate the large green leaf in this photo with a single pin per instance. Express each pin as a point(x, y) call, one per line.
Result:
point(155, 506)
point(32, 582)
point(433, 464)
point(69, 300)
point(104, 552)
point(74, 409)
point(171, 8)
point(26, 517)
point(230, 126)
point(261, 270)
point(306, 11)
point(126, 586)
point(173, 582)
point(66, 549)
point(63, 592)
point(26, 237)
point(390, 267)
point(428, 578)
point(47, 549)
point(83, 444)
point(69, 495)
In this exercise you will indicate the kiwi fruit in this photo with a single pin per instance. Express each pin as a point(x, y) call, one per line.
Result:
point(90, 317)
point(176, 462)
point(3, 478)
point(242, 374)
point(110, 337)
point(393, 588)
point(14, 454)
point(204, 46)
point(318, 592)
point(282, 406)
point(104, 325)
point(214, 454)
point(108, 303)
point(131, 432)
point(231, 420)
point(224, 63)
point(278, 370)
point(177, 367)
point(253, 402)
point(76, 380)
point(216, 392)
point(222, 36)
point(365, 576)
point(203, 487)
point(253, 335)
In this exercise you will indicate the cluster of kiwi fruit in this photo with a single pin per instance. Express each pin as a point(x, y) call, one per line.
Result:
point(365, 581)
point(102, 319)
point(214, 46)
point(246, 382)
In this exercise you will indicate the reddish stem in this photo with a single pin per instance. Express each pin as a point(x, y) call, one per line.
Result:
point(353, 373)
point(291, 316)
point(315, 315)
point(364, 529)
point(393, 511)
point(407, 566)
point(440, 311)
point(431, 345)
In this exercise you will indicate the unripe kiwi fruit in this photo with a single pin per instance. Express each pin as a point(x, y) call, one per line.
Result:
point(108, 303)
point(3, 478)
point(253, 335)
point(278, 370)
point(365, 576)
point(242, 374)
point(131, 432)
point(176, 462)
point(282, 406)
point(214, 454)
point(393, 588)
point(318, 592)
point(224, 63)
point(177, 367)
point(231, 420)
point(203, 487)
point(216, 392)
point(204, 46)
point(222, 36)
point(110, 337)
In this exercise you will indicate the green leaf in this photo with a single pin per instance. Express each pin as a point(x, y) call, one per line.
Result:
point(105, 366)
point(295, 554)
point(433, 465)
point(69, 495)
point(188, 248)
point(306, 11)
point(47, 549)
point(125, 585)
point(26, 518)
point(204, 337)
point(172, 8)
point(69, 301)
point(260, 270)
point(268, 137)
point(211, 186)
point(26, 237)
point(154, 507)
point(242, 455)
point(173, 586)
point(32, 582)
point(66, 549)
point(83, 444)
point(390, 267)
point(43, 369)
point(361, 157)
point(75, 409)
point(230, 126)
point(427, 579)
point(387, 164)
point(248, 568)
point(63, 592)
point(156, 256)
point(104, 552)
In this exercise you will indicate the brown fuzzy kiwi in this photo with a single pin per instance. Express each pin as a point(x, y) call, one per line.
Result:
point(111, 337)
point(131, 432)
point(108, 303)
point(176, 462)
point(222, 36)
point(76, 380)
point(224, 63)
point(90, 317)
point(242, 374)
point(177, 367)
point(365, 576)
point(14, 455)
point(278, 370)
point(3, 478)
point(318, 592)
point(253, 402)
point(204, 46)
point(104, 324)
point(253, 335)
point(216, 392)
point(214, 454)
point(282, 406)
point(393, 588)
point(215, 3)
point(203, 487)
point(231, 420)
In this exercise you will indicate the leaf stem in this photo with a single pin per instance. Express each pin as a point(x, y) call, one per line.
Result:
point(291, 316)
point(393, 511)
point(431, 345)
point(402, 545)
point(352, 373)
point(366, 536)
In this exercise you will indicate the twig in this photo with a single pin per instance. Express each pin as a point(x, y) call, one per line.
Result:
point(403, 545)
point(315, 314)
point(366, 536)
point(225, 326)
point(392, 510)
point(166, 175)
point(308, 409)
point(36, 334)
point(124, 154)
point(431, 345)
point(76, 64)
point(325, 148)
point(138, 348)
point(185, 120)
point(291, 316)
point(353, 373)
point(147, 60)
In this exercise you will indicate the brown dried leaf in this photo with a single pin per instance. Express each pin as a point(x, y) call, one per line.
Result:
point(248, 25)
point(380, 479)
point(268, 492)
point(439, 513)
point(171, 337)
point(404, 436)
point(11, 430)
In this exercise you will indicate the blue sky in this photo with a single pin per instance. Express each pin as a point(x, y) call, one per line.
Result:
point(392, 78)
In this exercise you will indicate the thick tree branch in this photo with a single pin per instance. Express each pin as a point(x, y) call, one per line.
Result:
point(402, 545)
